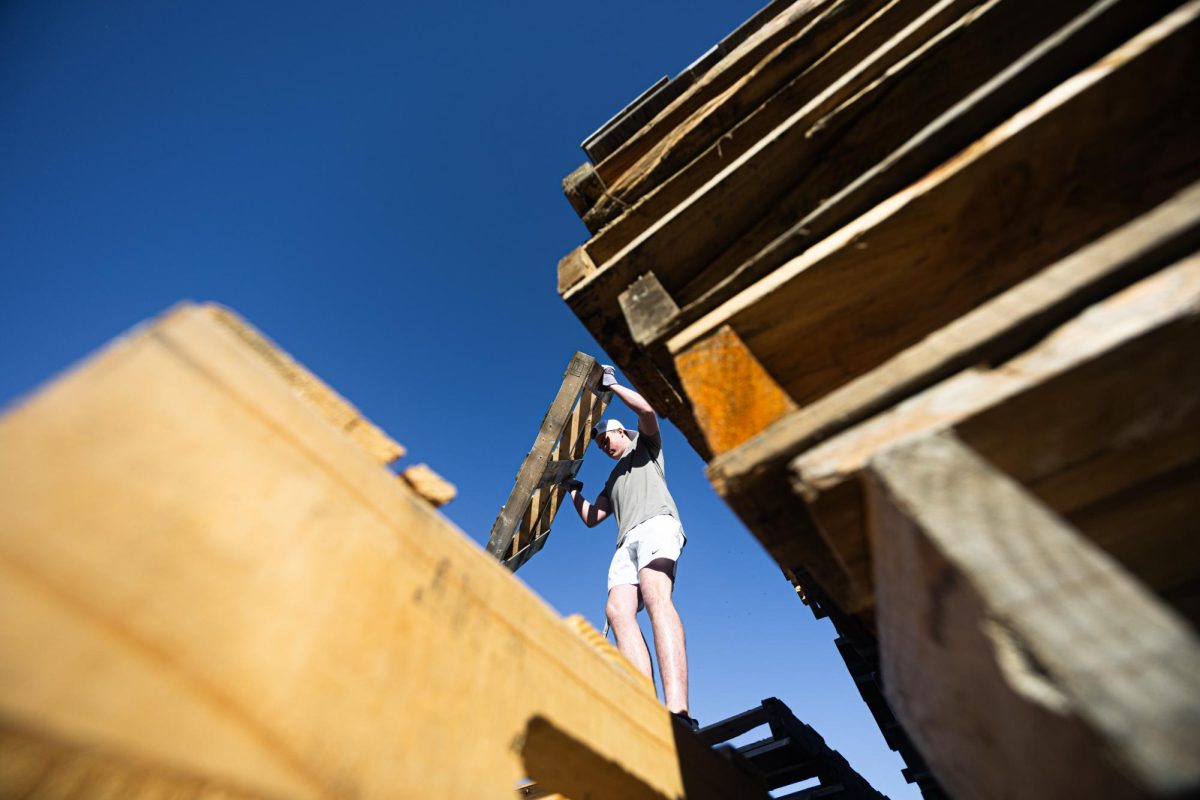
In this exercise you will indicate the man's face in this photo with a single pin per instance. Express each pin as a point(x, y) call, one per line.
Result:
point(613, 443)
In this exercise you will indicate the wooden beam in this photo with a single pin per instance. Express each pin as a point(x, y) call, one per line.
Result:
point(1022, 660)
point(733, 395)
point(753, 477)
point(648, 308)
point(717, 80)
point(201, 577)
point(1114, 397)
point(835, 45)
point(1092, 154)
point(579, 372)
point(990, 63)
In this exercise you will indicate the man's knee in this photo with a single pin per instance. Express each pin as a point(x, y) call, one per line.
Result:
point(622, 605)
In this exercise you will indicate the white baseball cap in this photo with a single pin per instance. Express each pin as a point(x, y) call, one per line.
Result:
point(604, 426)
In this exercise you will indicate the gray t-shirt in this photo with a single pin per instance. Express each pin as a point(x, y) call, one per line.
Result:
point(637, 487)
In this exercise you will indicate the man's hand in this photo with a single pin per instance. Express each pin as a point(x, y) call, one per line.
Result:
point(572, 485)
point(608, 377)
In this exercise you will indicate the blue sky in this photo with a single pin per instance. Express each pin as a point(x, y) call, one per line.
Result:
point(376, 187)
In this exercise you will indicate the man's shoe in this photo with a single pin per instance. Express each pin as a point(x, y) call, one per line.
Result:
point(689, 723)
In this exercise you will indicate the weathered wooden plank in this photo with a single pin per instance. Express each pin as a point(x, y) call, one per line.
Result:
point(578, 372)
point(1105, 404)
point(574, 438)
point(1056, 674)
point(751, 110)
point(874, 145)
point(732, 68)
point(932, 105)
point(1096, 151)
point(753, 477)
point(734, 397)
point(202, 577)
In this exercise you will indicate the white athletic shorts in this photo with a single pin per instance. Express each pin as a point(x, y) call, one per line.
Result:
point(657, 537)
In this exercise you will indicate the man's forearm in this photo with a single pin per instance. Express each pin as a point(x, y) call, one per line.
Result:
point(637, 404)
point(582, 506)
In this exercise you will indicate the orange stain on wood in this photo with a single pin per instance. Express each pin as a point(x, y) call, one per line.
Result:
point(732, 395)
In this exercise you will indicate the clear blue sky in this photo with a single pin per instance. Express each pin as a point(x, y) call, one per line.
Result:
point(376, 186)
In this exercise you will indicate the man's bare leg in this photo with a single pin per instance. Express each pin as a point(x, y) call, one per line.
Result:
point(656, 581)
point(622, 616)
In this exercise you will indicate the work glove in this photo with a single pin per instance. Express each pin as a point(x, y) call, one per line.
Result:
point(571, 485)
point(608, 377)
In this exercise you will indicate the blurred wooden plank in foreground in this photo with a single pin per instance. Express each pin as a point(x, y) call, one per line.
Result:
point(208, 587)
point(1058, 674)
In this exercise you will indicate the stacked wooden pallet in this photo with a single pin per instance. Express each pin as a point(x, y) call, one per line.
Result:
point(886, 251)
point(210, 585)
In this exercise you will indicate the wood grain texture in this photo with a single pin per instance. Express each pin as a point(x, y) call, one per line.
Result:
point(1106, 145)
point(202, 574)
point(562, 461)
point(973, 74)
point(677, 234)
point(1106, 403)
point(827, 62)
point(752, 478)
point(733, 396)
point(730, 69)
point(1057, 674)
point(787, 78)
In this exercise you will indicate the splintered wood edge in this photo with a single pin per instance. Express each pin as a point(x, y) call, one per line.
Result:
point(1088, 641)
point(430, 485)
point(329, 403)
point(733, 397)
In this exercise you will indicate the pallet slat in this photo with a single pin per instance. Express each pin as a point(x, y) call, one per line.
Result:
point(1027, 416)
point(1079, 682)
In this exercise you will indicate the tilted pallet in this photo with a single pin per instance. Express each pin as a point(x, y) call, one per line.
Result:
point(208, 585)
point(523, 524)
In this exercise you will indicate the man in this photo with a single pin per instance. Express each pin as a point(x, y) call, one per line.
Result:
point(650, 539)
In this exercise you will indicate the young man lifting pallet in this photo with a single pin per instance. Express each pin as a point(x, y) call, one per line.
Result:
point(650, 539)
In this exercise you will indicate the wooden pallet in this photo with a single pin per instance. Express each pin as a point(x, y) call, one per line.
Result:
point(523, 524)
